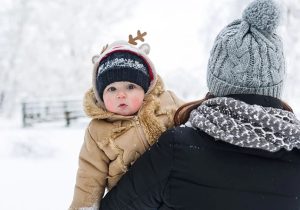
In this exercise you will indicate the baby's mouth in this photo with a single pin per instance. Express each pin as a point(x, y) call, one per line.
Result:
point(122, 105)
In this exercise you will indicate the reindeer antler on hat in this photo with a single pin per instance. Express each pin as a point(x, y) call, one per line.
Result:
point(140, 36)
point(131, 41)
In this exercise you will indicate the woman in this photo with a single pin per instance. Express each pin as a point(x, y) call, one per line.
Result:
point(236, 149)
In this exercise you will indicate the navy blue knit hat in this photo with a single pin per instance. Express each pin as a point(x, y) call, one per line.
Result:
point(122, 66)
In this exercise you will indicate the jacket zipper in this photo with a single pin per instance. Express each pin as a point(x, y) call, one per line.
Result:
point(140, 132)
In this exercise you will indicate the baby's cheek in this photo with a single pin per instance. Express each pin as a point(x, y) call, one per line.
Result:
point(108, 104)
point(136, 103)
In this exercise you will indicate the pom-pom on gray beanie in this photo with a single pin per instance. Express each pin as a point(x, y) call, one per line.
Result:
point(247, 56)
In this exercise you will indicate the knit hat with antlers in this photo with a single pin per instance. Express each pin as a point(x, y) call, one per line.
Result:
point(123, 61)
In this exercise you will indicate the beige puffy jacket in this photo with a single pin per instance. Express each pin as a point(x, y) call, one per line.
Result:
point(113, 142)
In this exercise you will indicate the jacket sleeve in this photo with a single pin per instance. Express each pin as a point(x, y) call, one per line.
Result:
point(91, 175)
point(142, 187)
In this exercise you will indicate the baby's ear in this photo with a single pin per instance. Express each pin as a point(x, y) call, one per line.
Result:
point(95, 58)
point(145, 48)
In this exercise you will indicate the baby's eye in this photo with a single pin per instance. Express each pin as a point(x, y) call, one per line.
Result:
point(111, 89)
point(131, 86)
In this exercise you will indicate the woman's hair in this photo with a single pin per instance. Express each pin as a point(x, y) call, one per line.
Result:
point(183, 113)
point(286, 107)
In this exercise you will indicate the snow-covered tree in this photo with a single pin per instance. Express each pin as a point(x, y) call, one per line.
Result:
point(46, 46)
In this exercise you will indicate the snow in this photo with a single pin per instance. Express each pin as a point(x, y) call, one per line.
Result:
point(38, 164)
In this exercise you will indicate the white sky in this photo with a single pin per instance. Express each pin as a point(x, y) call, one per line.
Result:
point(172, 31)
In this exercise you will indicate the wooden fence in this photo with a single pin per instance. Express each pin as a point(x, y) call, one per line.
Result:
point(47, 111)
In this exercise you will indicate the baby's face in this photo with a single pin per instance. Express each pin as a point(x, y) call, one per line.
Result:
point(124, 98)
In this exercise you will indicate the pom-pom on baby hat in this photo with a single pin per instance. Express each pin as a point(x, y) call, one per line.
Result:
point(247, 56)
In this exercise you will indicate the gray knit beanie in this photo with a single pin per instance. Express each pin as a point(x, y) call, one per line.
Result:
point(247, 56)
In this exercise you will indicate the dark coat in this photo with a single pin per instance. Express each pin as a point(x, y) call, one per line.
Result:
point(187, 169)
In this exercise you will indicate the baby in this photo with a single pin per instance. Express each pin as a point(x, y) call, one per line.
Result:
point(129, 108)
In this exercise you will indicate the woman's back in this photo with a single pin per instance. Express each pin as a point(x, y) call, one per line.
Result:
point(212, 174)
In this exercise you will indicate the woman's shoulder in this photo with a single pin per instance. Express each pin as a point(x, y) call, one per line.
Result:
point(181, 130)
point(183, 134)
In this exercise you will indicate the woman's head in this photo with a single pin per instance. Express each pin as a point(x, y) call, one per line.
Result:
point(247, 56)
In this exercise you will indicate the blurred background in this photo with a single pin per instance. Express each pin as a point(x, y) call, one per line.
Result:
point(45, 59)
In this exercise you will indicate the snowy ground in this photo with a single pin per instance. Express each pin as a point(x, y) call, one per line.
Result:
point(38, 164)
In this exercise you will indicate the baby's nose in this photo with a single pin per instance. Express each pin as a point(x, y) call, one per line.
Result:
point(121, 94)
